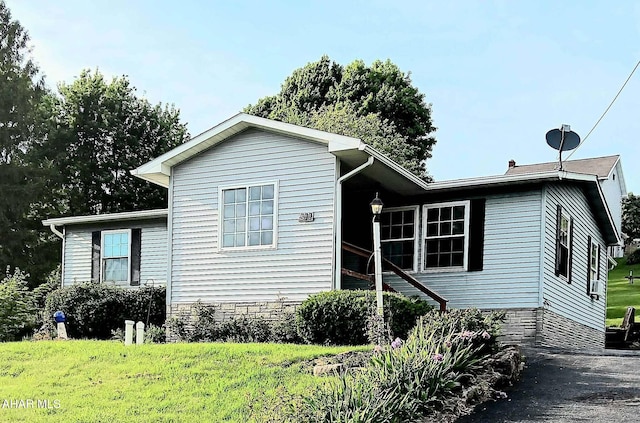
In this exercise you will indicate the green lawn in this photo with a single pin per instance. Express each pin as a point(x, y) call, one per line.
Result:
point(620, 293)
point(102, 381)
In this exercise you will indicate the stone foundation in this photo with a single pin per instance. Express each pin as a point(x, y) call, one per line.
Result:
point(229, 311)
point(544, 328)
point(560, 332)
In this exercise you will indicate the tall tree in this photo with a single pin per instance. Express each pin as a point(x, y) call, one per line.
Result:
point(376, 103)
point(631, 216)
point(99, 131)
point(21, 183)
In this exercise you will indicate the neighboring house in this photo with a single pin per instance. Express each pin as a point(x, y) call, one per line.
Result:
point(609, 172)
point(263, 214)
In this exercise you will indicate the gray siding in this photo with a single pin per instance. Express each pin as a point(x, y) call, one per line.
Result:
point(301, 263)
point(511, 272)
point(153, 254)
point(571, 300)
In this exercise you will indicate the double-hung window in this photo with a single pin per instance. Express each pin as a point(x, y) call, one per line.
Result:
point(248, 216)
point(398, 236)
point(116, 252)
point(594, 261)
point(563, 244)
point(446, 235)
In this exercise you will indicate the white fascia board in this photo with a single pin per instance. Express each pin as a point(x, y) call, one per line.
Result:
point(108, 217)
point(162, 164)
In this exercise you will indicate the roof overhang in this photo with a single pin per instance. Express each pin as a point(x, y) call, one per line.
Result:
point(158, 170)
point(108, 217)
point(589, 183)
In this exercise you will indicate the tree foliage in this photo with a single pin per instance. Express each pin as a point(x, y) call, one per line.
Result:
point(22, 182)
point(376, 103)
point(631, 216)
point(17, 309)
point(98, 132)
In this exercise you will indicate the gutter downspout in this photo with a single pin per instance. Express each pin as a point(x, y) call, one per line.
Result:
point(338, 246)
point(61, 235)
point(56, 231)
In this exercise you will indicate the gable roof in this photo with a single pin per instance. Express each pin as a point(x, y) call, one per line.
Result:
point(108, 217)
point(599, 166)
point(351, 151)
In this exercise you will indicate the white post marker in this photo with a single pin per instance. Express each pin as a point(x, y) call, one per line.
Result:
point(377, 259)
point(62, 331)
point(139, 333)
point(128, 332)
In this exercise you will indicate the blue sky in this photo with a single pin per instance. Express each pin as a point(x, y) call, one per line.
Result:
point(499, 74)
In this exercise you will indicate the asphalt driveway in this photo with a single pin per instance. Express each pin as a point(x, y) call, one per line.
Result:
point(570, 387)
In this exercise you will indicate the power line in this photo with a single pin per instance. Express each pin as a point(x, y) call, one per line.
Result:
point(605, 112)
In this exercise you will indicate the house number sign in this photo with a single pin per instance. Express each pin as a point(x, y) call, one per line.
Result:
point(306, 217)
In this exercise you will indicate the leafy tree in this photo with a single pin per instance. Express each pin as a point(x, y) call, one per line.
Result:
point(98, 132)
point(631, 216)
point(17, 310)
point(21, 182)
point(376, 103)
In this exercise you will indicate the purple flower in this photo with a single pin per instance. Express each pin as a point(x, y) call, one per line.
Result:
point(485, 335)
point(448, 344)
point(438, 357)
point(467, 334)
point(397, 343)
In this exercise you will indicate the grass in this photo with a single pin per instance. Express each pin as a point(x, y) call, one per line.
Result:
point(103, 381)
point(620, 293)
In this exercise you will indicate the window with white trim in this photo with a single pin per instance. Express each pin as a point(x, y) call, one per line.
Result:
point(115, 256)
point(563, 245)
point(594, 262)
point(398, 236)
point(446, 235)
point(248, 216)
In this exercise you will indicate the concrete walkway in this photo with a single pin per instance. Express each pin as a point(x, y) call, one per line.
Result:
point(570, 387)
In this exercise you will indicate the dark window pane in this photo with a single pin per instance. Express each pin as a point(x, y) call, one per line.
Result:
point(408, 216)
point(432, 229)
point(445, 228)
point(445, 245)
point(457, 244)
point(432, 260)
point(458, 228)
point(407, 231)
point(433, 215)
point(396, 232)
point(432, 246)
point(458, 212)
point(457, 259)
point(444, 260)
point(385, 218)
point(445, 213)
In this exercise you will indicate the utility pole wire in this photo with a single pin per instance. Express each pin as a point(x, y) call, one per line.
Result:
point(605, 112)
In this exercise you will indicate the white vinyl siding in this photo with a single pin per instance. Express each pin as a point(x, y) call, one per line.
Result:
point(153, 257)
point(571, 300)
point(302, 262)
point(511, 265)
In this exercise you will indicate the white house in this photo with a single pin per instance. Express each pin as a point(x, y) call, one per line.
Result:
point(262, 214)
point(608, 169)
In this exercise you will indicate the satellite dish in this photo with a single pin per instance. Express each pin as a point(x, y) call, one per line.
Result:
point(563, 139)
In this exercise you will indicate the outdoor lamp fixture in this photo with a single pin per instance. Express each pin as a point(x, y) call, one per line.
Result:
point(376, 209)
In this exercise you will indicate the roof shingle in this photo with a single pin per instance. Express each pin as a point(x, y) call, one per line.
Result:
point(600, 166)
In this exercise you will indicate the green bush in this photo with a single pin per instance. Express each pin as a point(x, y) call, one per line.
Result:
point(341, 317)
point(408, 380)
point(17, 308)
point(634, 258)
point(94, 310)
point(202, 325)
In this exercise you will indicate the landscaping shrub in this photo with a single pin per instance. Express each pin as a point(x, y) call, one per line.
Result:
point(408, 380)
point(17, 308)
point(94, 310)
point(202, 325)
point(634, 258)
point(341, 317)
point(155, 335)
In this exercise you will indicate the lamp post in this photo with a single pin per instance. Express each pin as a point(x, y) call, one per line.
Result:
point(376, 209)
